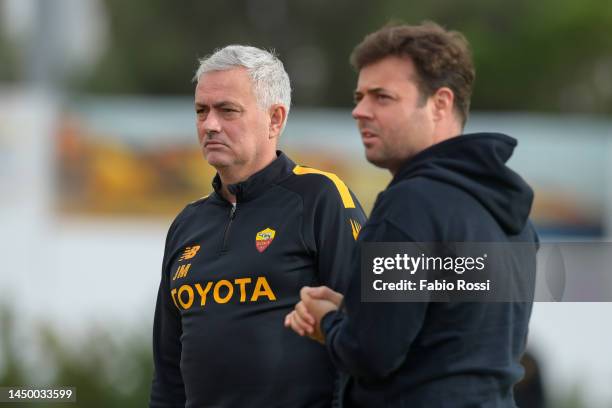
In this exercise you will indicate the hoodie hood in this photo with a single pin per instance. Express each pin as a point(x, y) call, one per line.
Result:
point(476, 163)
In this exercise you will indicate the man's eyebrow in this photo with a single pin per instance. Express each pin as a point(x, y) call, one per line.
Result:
point(224, 103)
point(376, 90)
point(370, 91)
point(219, 104)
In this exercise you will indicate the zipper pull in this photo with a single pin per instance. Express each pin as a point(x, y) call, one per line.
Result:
point(233, 212)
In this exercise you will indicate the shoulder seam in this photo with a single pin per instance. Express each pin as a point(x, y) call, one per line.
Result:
point(188, 208)
point(343, 190)
point(199, 200)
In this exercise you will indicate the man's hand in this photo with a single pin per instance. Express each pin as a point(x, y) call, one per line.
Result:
point(315, 303)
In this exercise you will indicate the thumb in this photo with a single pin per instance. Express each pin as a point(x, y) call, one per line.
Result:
point(323, 292)
point(305, 292)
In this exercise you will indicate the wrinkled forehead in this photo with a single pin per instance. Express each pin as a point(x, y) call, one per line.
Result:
point(230, 83)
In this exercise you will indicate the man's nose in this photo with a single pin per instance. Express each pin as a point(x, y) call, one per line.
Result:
point(361, 110)
point(211, 123)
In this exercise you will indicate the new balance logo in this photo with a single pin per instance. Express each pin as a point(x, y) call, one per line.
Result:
point(189, 252)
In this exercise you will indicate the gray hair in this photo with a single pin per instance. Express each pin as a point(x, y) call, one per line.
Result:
point(270, 80)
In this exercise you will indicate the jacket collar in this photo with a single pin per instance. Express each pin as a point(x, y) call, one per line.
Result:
point(259, 182)
point(453, 148)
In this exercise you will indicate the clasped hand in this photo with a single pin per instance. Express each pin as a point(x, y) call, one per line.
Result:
point(314, 304)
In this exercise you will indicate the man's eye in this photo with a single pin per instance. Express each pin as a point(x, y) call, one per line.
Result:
point(382, 97)
point(229, 110)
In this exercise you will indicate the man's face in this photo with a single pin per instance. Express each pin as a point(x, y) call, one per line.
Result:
point(233, 130)
point(394, 121)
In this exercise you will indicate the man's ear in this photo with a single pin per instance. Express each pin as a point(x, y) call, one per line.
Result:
point(443, 103)
point(278, 115)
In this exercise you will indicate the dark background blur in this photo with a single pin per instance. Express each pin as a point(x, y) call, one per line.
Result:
point(548, 56)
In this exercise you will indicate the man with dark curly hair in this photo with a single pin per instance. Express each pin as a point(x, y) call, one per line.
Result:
point(412, 101)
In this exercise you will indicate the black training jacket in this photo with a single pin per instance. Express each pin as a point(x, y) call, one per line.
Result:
point(229, 278)
point(451, 354)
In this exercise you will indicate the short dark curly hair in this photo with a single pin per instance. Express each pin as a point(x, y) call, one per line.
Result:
point(441, 58)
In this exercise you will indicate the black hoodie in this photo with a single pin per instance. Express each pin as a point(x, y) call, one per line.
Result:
point(439, 354)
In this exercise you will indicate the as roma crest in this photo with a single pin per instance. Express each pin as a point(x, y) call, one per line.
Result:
point(264, 238)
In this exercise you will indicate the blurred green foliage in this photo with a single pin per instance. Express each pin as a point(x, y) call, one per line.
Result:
point(550, 55)
point(106, 371)
point(8, 60)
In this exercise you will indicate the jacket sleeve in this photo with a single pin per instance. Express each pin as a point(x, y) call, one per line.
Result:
point(336, 225)
point(167, 389)
point(371, 339)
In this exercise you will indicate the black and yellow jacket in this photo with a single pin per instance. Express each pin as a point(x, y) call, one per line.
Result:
point(231, 274)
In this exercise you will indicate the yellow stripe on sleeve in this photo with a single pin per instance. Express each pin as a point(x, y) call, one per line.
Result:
point(345, 194)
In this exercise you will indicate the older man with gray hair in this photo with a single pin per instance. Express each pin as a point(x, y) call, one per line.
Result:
point(234, 261)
